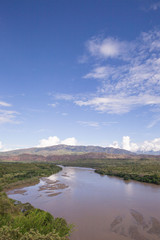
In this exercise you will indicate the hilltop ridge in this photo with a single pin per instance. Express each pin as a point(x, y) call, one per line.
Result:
point(62, 149)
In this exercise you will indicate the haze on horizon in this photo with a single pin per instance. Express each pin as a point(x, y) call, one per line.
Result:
point(80, 73)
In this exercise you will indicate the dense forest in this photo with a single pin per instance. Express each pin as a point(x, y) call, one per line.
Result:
point(22, 221)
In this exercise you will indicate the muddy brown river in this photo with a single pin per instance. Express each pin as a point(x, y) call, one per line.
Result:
point(100, 207)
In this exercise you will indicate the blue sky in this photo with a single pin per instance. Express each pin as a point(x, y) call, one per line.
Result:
point(80, 72)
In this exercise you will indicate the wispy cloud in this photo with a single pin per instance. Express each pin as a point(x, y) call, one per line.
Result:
point(88, 124)
point(154, 122)
point(117, 104)
point(4, 104)
point(100, 72)
point(62, 96)
point(132, 82)
point(155, 6)
point(7, 116)
point(95, 124)
point(128, 74)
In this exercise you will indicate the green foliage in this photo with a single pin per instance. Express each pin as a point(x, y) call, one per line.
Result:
point(24, 221)
point(13, 174)
point(144, 171)
point(8, 233)
point(36, 220)
point(33, 221)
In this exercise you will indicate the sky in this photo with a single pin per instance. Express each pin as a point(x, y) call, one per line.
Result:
point(80, 72)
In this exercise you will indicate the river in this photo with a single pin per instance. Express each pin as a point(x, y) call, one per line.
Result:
point(100, 207)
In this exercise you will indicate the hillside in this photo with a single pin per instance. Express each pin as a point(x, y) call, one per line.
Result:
point(66, 149)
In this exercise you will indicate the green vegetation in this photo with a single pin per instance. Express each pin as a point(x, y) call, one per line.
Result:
point(21, 221)
point(143, 170)
point(14, 174)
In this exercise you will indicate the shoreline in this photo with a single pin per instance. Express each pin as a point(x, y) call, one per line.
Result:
point(22, 218)
point(22, 184)
point(143, 178)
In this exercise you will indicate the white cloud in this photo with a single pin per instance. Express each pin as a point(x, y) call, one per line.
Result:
point(4, 104)
point(115, 144)
point(69, 141)
point(108, 47)
point(49, 141)
point(153, 145)
point(54, 140)
point(118, 104)
point(100, 72)
point(127, 144)
point(127, 83)
point(132, 82)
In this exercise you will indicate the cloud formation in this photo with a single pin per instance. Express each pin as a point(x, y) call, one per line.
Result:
point(118, 104)
point(69, 141)
point(63, 96)
point(54, 140)
point(132, 82)
point(154, 121)
point(146, 146)
point(107, 48)
point(6, 116)
point(95, 124)
point(4, 104)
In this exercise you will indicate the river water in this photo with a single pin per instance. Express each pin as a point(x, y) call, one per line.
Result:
point(100, 207)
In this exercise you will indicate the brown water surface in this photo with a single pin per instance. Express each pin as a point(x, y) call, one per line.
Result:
point(101, 207)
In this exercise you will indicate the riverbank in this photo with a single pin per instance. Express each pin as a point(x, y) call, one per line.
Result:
point(100, 207)
point(14, 175)
point(24, 221)
point(142, 170)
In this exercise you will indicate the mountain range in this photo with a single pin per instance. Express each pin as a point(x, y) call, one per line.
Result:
point(66, 149)
point(70, 153)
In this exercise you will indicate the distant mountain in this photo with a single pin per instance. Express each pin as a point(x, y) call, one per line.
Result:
point(149, 152)
point(66, 149)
